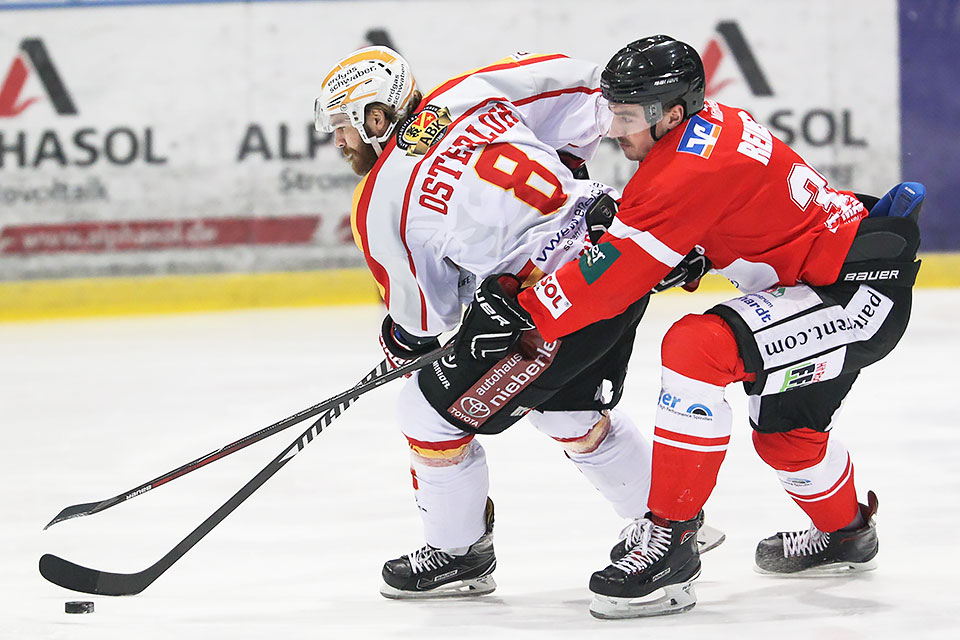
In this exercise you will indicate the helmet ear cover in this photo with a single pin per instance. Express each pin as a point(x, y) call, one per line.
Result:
point(373, 76)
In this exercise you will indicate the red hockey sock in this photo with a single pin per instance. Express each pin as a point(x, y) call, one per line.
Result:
point(700, 357)
point(815, 471)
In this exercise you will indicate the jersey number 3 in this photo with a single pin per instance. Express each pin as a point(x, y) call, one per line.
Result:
point(508, 167)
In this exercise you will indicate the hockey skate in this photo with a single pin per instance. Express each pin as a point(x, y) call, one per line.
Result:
point(818, 553)
point(655, 576)
point(432, 573)
point(707, 538)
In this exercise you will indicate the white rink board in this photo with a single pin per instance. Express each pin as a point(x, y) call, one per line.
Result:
point(205, 111)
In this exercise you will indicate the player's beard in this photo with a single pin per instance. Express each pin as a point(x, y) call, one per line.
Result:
point(361, 160)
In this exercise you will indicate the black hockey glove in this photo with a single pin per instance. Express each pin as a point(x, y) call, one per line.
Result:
point(494, 320)
point(600, 216)
point(687, 274)
point(401, 347)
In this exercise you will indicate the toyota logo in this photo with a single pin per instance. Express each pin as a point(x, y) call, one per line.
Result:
point(474, 407)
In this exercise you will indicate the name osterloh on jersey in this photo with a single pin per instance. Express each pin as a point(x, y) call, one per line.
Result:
point(445, 169)
point(509, 377)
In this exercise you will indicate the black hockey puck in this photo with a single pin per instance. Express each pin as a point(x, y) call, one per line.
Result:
point(78, 606)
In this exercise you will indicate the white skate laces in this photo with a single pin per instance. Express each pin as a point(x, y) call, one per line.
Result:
point(646, 542)
point(427, 558)
point(804, 543)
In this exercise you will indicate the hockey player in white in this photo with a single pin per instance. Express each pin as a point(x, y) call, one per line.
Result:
point(456, 186)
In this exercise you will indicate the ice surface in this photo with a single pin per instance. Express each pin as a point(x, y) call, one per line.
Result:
point(91, 408)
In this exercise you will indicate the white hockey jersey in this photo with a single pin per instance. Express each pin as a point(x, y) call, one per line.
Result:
point(471, 184)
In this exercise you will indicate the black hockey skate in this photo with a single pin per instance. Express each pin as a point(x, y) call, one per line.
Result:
point(664, 557)
point(431, 573)
point(818, 553)
point(707, 538)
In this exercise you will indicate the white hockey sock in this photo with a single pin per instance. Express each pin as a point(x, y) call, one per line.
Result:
point(452, 499)
point(615, 459)
point(450, 473)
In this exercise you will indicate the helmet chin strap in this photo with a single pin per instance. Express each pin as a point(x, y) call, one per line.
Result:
point(653, 133)
point(375, 141)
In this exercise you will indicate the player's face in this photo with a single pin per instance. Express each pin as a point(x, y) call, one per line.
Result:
point(631, 129)
point(358, 153)
point(636, 146)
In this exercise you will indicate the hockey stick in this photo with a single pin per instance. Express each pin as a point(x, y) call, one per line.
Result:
point(78, 578)
point(89, 508)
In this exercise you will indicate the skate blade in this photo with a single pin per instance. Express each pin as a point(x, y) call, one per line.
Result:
point(458, 589)
point(675, 598)
point(709, 538)
point(826, 571)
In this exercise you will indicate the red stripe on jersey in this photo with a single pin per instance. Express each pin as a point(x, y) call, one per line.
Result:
point(688, 439)
point(406, 203)
point(449, 84)
point(363, 203)
point(557, 92)
point(406, 247)
point(526, 270)
point(432, 96)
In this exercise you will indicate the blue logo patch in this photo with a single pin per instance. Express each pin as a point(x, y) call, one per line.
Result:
point(699, 138)
point(699, 410)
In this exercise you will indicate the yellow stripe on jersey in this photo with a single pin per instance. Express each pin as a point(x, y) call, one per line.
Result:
point(353, 212)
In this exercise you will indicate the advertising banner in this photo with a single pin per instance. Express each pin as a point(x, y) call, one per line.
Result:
point(162, 138)
point(930, 102)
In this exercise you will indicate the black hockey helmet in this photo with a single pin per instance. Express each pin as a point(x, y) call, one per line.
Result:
point(656, 72)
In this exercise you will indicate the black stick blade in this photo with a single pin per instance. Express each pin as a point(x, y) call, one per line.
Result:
point(72, 576)
point(75, 511)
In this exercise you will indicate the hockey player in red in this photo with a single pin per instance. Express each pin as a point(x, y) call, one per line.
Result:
point(826, 277)
point(472, 179)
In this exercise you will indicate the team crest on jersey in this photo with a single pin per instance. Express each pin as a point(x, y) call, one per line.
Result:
point(699, 138)
point(422, 130)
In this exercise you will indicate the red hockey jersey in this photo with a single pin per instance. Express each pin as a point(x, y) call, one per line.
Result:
point(719, 181)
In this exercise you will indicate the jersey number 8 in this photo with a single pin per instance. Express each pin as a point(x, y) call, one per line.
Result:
point(508, 167)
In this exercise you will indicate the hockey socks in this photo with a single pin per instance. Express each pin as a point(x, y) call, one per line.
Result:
point(693, 424)
point(815, 470)
point(609, 451)
point(690, 440)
